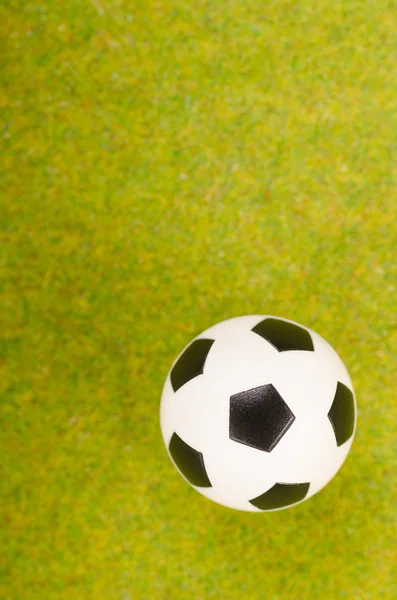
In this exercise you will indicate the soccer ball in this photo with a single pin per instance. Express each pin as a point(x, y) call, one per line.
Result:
point(258, 413)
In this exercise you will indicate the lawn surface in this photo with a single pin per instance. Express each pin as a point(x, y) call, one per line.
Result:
point(166, 165)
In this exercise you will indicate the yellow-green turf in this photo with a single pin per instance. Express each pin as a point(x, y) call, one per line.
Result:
point(166, 165)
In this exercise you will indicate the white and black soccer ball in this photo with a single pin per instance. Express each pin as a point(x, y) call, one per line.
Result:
point(258, 413)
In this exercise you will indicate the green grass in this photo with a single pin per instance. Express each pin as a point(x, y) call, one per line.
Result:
point(166, 165)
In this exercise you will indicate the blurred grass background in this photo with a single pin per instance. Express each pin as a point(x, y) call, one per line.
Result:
point(166, 165)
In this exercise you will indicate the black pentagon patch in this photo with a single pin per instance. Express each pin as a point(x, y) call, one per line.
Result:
point(190, 363)
point(283, 335)
point(341, 414)
point(259, 417)
point(281, 495)
point(189, 461)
